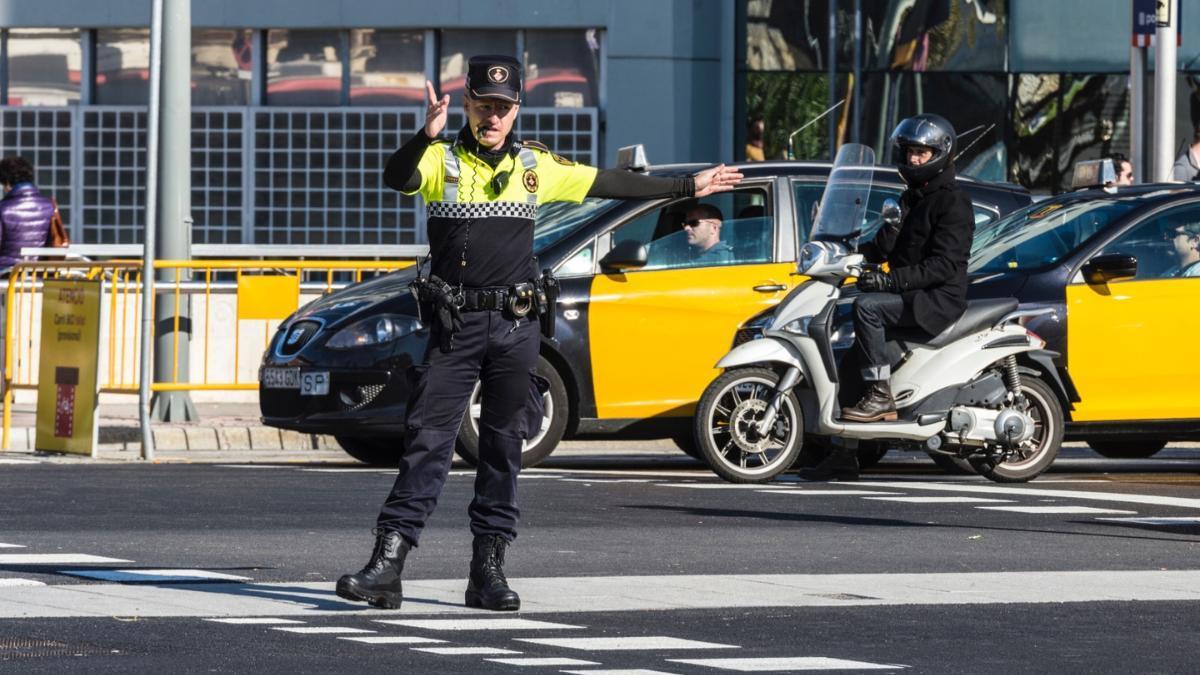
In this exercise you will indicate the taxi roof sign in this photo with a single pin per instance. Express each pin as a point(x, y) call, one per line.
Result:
point(632, 157)
point(1093, 173)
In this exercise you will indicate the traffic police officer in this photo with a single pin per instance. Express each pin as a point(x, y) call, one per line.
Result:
point(482, 192)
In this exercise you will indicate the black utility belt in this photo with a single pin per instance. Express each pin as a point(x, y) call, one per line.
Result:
point(517, 299)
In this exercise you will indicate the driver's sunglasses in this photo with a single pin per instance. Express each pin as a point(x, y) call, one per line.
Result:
point(693, 222)
point(1169, 235)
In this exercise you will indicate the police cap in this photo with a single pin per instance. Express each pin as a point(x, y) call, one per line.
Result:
point(494, 77)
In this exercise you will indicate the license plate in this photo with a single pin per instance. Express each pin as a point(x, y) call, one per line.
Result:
point(281, 378)
point(314, 384)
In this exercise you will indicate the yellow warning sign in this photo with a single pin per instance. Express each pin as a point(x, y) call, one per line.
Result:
point(67, 389)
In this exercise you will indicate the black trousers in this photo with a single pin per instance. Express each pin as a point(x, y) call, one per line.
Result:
point(503, 356)
point(874, 313)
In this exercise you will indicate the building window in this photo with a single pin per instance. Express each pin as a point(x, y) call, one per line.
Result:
point(458, 46)
point(561, 68)
point(387, 67)
point(304, 67)
point(43, 67)
point(221, 66)
point(123, 66)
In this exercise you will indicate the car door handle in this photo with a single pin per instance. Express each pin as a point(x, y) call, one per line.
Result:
point(770, 288)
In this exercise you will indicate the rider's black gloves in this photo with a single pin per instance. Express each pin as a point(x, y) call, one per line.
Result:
point(876, 282)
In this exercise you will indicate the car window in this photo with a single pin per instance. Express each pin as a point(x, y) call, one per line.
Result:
point(558, 219)
point(807, 195)
point(1165, 245)
point(983, 215)
point(731, 228)
point(1041, 234)
point(580, 264)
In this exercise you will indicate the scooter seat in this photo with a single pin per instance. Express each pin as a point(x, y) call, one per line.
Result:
point(979, 315)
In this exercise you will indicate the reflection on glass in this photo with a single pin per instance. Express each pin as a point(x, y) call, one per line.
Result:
point(304, 67)
point(561, 68)
point(43, 67)
point(1041, 234)
point(458, 46)
point(221, 66)
point(123, 66)
point(786, 101)
point(387, 67)
point(784, 35)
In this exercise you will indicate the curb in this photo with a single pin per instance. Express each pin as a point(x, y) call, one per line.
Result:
point(192, 437)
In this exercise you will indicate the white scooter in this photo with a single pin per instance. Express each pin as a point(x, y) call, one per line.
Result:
point(983, 390)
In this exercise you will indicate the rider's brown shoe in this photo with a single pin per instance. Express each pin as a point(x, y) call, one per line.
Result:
point(877, 405)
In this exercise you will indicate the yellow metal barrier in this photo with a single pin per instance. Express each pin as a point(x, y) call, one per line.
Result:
point(241, 300)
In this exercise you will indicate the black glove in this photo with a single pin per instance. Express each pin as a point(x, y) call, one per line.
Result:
point(876, 282)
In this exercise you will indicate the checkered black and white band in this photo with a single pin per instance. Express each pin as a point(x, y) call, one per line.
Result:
point(473, 210)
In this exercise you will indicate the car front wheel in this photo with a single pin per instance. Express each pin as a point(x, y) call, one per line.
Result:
point(538, 448)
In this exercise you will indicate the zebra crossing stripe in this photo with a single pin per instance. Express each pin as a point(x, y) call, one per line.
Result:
point(637, 643)
point(476, 624)
point(544, 661)
point(1183, 502)
point(393, 640)
point(11, 583)
point(12, 546)
point(1052, 509)
point(941, 500)
point(624, 671)
point(829, 493)
point(322, 630)
point(764, 665)
point(154, 575)
point(55, 559)
point(464, 651)
point(255, 620)
point(1178, 520)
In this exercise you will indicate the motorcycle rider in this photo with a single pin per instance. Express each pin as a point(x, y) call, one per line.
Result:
point(926, 285)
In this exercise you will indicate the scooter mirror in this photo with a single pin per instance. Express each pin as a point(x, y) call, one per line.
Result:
point(890, 212)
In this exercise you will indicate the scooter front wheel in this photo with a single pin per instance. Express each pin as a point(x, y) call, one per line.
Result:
point(727, 421)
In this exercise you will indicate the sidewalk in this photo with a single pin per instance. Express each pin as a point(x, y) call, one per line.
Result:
point(232, 432)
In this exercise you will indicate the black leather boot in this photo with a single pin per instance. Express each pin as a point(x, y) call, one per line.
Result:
point(487, 588)
point(876, 405)
point(379, 582)
point(840, 464)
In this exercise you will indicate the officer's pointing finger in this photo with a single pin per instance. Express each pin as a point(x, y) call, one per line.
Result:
point(433, 99)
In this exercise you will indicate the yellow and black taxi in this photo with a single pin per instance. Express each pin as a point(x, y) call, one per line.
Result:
point(652, 293)
point(1122, 269)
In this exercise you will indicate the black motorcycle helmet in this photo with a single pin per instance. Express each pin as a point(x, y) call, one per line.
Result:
point(928, 130)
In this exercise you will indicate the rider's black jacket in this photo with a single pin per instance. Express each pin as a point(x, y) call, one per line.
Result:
point(928, 253)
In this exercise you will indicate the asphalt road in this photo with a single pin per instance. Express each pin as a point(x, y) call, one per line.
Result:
point(640, 565)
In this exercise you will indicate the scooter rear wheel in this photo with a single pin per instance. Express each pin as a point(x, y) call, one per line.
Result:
point(1035, 456)
point(725, 427)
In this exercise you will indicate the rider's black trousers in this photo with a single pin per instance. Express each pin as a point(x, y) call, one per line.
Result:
point(874, 313)
point(503, 357)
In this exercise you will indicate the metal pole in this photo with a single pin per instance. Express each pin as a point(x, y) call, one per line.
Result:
point(1137, 112)
point(728, 27)
point(856, 45)
point(831, 65)
point(1164, 89)
point(145, 375)
point(171, 361)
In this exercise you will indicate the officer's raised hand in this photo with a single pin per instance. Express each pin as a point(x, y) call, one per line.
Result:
point(720, 178)
point(436, 112)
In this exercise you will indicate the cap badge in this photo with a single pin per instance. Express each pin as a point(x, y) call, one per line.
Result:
point(498, 74)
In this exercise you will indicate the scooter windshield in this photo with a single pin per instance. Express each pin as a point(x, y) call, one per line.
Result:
point(842, 213)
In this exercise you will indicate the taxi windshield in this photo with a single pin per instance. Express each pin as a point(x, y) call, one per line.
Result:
point(1041, 234)
point(558, 219)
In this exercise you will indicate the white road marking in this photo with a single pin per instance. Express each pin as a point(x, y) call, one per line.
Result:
point(544, 661)
point(55, 559)
point(1052, 509)
point(255, 621)
point(350, 470)
point(476, 624)
point(624, 671)
point(254, 466)
point(1183, 502)
point(13, 583)
point(765, 665)
point(1181, 520)
point(940, 500)
point(154, 575)
point(19, 461)
point(829, 493)
point(464, 651)
point(323, 630)
point(620, 644)
point(606, 480)
point(426, 598)
point(393, 640)
point(12, 546)
point(730, 486)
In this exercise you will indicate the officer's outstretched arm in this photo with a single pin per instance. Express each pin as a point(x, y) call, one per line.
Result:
point(401, 171)
point(620, 184)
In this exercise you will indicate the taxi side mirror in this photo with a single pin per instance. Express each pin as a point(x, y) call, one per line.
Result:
point(1111, 267)
point(626, 255)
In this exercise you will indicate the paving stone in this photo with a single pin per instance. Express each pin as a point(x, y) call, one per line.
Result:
point(201, 438)
point(264, 438)
point(233, 438)
point(170, 438)
point(294, 440)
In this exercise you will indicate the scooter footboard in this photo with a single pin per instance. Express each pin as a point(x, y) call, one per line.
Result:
point(762, 350)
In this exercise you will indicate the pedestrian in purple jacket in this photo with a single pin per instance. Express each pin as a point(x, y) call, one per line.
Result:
point(24, 211)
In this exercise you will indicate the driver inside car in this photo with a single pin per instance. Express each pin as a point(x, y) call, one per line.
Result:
point(925, 288)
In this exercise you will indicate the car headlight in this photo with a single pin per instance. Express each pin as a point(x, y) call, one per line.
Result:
point(376, 330)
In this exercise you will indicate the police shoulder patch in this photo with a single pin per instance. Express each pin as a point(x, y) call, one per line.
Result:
point(562, 160)
point(530, 180)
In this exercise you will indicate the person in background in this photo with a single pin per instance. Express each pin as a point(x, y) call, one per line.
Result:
point(755, 132)
point(1124, 169)
point(1187, 167)
point(25, 212)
